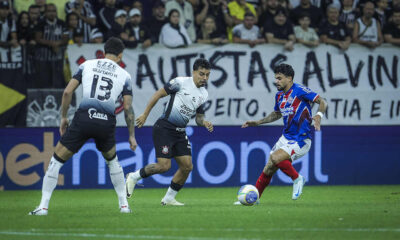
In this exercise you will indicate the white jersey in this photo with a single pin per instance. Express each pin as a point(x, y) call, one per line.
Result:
point(103, 81)
point(368, 33)
point(186, 100)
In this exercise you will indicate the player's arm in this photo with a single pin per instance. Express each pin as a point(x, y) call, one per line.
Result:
point(203, 123)
point(321, 110)
point(272, 117)
point(154, 99)
point(130, 120)
point(65, 102)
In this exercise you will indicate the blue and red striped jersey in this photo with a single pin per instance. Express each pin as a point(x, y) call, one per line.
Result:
point(294, 105)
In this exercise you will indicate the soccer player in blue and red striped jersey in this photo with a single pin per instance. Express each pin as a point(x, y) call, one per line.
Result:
point(292, 102)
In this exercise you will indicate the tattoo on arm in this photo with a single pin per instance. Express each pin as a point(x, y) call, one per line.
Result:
point(130, 120)
point(199, 120)
point(322, 104)
point(272, 117)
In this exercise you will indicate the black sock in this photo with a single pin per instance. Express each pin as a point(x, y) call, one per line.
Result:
point(143, 173)
point(175, 186)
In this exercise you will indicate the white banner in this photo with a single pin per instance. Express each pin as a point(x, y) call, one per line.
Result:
point(360, 85)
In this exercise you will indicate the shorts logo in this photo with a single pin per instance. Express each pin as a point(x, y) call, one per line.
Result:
point(164, 149)
point(94, 114)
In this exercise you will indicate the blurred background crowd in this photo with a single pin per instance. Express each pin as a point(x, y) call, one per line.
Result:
point(44, 28)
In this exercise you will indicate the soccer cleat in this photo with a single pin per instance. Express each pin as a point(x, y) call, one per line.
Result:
point(171, 202)
point(130, 184)
point(39, 212)
point(125, 209)
point(298, 187)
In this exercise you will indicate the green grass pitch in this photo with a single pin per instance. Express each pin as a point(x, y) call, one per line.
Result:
point(322, 212)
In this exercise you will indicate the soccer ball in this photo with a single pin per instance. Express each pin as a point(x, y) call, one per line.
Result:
point(248, 195)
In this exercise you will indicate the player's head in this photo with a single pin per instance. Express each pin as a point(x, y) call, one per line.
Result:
point(201, 72)
point(284, 74)
point(114, 46)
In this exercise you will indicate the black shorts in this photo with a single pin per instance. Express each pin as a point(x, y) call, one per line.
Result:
point(83, 128)
point(170, 141)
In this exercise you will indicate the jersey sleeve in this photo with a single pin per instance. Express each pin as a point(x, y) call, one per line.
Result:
point(127, 89)
point(201, 109)
point(276, 106)
point(173, 86)
point(306, 94)
point(78, 74)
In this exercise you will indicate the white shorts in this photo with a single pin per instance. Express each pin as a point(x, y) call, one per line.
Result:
point(292, 147)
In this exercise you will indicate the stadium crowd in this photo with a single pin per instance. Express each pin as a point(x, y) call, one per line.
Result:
point(45, 28)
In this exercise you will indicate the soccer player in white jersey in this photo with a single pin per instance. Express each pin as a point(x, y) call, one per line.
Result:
point(187, 98)
point(103, 80)
point(292, 102)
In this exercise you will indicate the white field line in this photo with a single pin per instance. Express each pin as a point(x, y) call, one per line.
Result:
point(115, 236)
point(220, 229)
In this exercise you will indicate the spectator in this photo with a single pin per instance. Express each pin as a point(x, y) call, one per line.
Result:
point(312, 11)
point(8, 29)
point(121, 29)
point(139, 31)
point(51, 37)
point(348, 14)
point(96, 36)
point(24, 32)
point(238, 8)
point(334, 32)
point(86, 17)
point(72, 24)
point(381, 12)
point(78, 37)
point(218, 9)
point(42, 7)
point(269, 11)
point(284, 3)
point(173, 34)
point(367, 30)
point(106, 16)
point(304, 33)
point(280, 30)
point(392, 29)
point(209, 34)
point(186, 14)
point(247, 32)
point(157, 21)
point(34, 14)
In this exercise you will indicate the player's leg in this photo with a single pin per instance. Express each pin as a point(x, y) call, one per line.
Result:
point(162, 165)
point(179, 179)
point(163, 140)
point(117, 178)
point(265, 177)
point(50, 179)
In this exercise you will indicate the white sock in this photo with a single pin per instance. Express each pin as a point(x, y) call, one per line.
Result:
point(171, 193)
point(136, 175)
point(118, 180)
point(50, 180)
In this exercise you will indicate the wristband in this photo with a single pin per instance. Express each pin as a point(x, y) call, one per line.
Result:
point(320, 114)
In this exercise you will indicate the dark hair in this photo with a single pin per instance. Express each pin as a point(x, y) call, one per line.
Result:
point(20, 17)
point(69, 16)
point(281, 10)
point(171, 12)
point(46, 7)
point(33, 6)
point(201, 63)
point(249, 14)
point(114, 46)
point(285, 69)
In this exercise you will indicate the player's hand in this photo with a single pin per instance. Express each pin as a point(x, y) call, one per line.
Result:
point(250, 124)
point(63, 125)
point(132, 143)
point(317, 122)
point(141, 120)
point(208, 125)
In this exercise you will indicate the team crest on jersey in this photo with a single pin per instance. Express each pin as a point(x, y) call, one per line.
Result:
point(94, 114)
point(165, 149)
point(290, 100)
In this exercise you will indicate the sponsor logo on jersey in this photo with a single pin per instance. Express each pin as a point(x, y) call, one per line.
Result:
point(286, 111)
point(94, 114)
